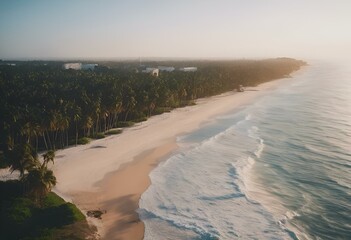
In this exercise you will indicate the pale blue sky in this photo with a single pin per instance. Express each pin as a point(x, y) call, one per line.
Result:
point(50, 29)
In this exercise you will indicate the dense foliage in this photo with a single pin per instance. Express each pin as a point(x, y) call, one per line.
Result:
point(22, 218)
point(49, 107)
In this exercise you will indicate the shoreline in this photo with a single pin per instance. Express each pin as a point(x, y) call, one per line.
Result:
point(111, 174)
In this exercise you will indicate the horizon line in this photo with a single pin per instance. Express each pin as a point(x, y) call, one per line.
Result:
point(100, 59)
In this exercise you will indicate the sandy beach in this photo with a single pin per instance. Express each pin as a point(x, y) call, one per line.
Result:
point(110, 174)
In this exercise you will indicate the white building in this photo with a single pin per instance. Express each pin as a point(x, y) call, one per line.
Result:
point(188, 69)
point(80, 66)
point(166, 69)
point(75, 66)
point(152, 71)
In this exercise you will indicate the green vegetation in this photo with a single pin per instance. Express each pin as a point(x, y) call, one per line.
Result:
point(142, 119)
point(124, 124)
point(83, 141)
point(36, 178)
point(28, 208)
point(49, 107)
point(99, 136)
point(23, 218)
point(161, 110)
point(114, 132)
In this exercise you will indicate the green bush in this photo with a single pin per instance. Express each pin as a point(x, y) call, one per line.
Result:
point(99, 136)
point(73, 212)
point(142, 119)
point(20, 211)
point(58, 216)
point(136, 115)
point(83, 141)
point(114, 132)
point(21, 218)
point(161, 110)
point(52, 200)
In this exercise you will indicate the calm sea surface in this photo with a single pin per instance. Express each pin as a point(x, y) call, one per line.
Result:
point(279, 168)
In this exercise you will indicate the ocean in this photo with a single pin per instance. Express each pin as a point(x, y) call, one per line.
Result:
point(279, 168)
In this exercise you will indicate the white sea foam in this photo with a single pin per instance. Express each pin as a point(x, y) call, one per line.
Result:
point(259, 150)
point(248, 117)
point(272, 172)
point(202, 192)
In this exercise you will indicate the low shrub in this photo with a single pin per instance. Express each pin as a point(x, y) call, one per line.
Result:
point(20, 211)
point(99, 136)
point(52, 200)
point(114, 132)
point(125, 124)
point(83, 141)
point(58, 216)
point(22, 218)
point(161, 110)
point(142, 119)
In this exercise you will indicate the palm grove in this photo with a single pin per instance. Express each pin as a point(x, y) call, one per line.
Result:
point(44, 108)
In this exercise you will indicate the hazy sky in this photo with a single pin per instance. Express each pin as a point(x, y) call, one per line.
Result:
point(181, 28)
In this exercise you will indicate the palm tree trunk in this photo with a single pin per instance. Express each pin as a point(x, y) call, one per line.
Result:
point(76, 133)
point(49, 140)
point(117, 119)
point(36, 142)
point(55, 138)
point(67, 137)
point(97, 125)
point(126, 116)
point(46, 145)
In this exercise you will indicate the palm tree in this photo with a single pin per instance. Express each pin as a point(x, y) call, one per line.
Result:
point(128, 100)
point(76, 118)
point(22, 158)
point(48, 157)
point(39, 182)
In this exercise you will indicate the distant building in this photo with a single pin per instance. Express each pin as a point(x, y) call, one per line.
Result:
point(188, 69)
point(6, 63)
point(153, 71)
point(75, 66)
point(80, 66)
point(166, 69)
point(89, 66)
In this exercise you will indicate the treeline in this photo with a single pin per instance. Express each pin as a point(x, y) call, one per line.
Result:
point(50, 108)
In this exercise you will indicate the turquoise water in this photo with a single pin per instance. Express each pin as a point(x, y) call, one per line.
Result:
point(276, 169)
